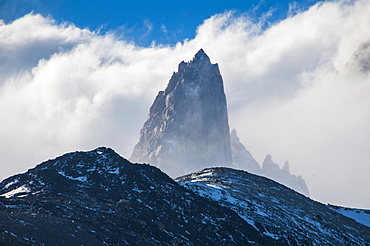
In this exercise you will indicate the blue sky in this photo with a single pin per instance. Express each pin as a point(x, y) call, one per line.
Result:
point(144, 21)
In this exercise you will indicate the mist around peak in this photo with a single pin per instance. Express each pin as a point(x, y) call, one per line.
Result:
point(187, 128)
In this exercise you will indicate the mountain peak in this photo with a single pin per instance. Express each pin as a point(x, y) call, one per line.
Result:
point(199, 59)
point(103, 149)
point(285, 168)
point(201, 56)
point(187, 127)
point(233, 134)
point(268, 158)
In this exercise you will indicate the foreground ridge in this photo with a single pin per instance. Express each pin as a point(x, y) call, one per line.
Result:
point(99, 198)
point(276, 210)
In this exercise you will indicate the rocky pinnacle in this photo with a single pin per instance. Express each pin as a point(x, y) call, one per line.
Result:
point(187, 128)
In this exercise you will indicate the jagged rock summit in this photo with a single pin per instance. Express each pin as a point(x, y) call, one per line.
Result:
point(243, 159)
point(187, 128)
point(282, 175)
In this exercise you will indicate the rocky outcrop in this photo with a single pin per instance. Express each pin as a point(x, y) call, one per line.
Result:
point(272, 170)
point(187, 128)
point(243, 159)
point(359, 62)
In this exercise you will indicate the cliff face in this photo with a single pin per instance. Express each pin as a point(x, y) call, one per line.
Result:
point(187, 127)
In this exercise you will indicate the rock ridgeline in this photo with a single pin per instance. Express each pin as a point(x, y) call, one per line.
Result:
point(282, 175)
point(187, 128)
point(277, 211)
point(243, 159)
point(99, 198)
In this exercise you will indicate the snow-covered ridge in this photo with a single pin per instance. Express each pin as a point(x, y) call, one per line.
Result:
point(99, 198)
point(360, 215)
point(274, 209)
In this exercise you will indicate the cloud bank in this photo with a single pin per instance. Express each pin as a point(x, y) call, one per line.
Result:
point(297, 90)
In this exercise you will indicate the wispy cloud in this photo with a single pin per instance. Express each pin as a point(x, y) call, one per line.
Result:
point(294, 90)
point(164, 29)
point(148, 26)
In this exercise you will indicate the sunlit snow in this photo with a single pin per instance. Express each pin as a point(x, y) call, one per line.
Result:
point(21, 189)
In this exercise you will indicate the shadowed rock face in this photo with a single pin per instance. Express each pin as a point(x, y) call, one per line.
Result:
point(187, 127)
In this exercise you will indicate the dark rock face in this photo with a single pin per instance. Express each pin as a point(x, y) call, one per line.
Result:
point(99, 198)
point(275, 210)
point(187, 128)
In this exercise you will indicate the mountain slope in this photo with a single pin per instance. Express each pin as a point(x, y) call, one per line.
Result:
point(275, 210)
point(362, 216)
point(99, 198)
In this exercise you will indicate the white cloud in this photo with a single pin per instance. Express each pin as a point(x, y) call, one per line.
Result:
point(292, 91)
